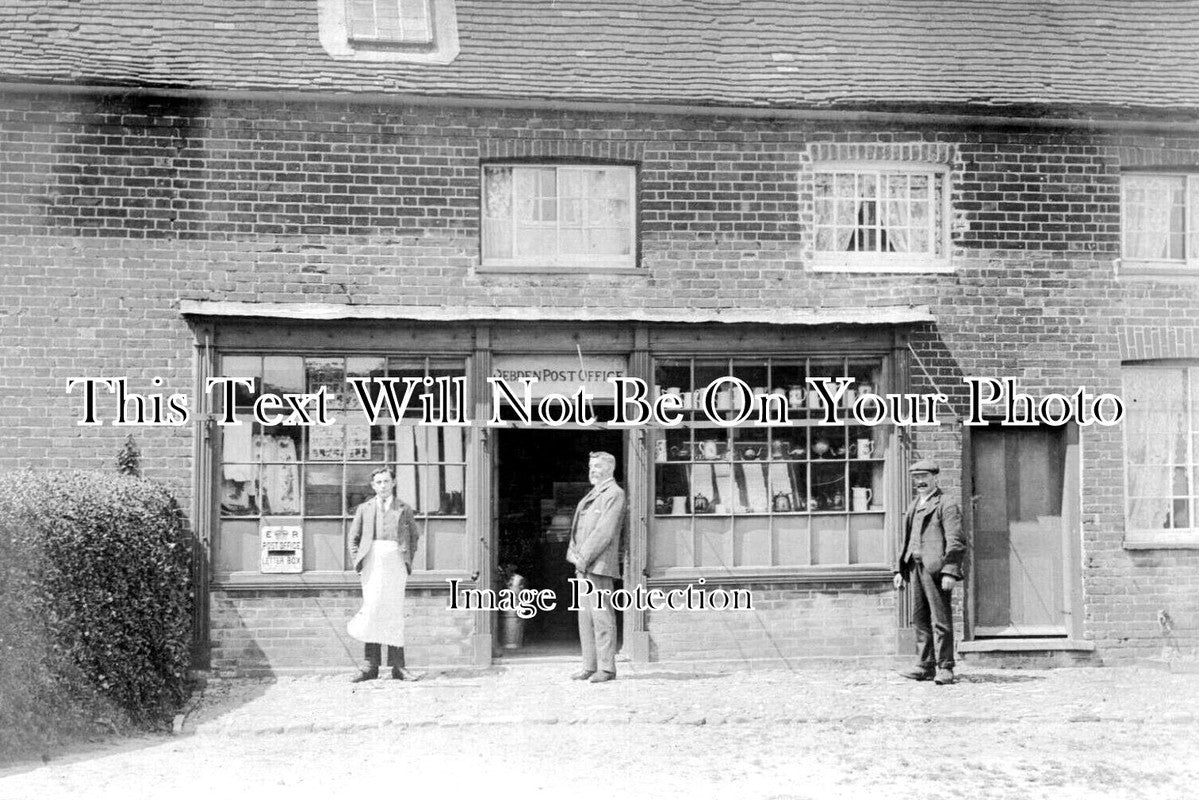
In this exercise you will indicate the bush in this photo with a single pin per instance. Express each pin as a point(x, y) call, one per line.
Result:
point(95, 606)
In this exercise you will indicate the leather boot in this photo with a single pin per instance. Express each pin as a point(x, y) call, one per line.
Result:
point(373, 655)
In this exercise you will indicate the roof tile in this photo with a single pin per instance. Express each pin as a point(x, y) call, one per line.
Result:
point(985, 54)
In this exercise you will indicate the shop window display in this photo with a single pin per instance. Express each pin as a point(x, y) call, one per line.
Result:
point(317, 475)
point(800, 493)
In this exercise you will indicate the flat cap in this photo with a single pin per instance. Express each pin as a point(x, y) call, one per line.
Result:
point(925, 465)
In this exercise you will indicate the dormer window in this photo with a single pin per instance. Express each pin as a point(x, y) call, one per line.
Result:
point(389, 21)
point(397, 31)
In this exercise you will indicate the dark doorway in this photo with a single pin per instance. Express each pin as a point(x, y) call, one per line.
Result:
point(541, 475)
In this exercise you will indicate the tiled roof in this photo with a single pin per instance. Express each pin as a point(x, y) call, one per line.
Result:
point(997, 55)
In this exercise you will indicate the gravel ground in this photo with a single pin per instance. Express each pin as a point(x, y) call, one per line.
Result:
point(528, 731)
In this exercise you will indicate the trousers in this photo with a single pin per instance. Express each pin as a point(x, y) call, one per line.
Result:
point(374, 655)
point(932, 615)
point(597, 625)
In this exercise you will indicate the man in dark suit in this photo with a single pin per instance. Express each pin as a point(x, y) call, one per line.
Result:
point(931, 557)
point(595, 550)
point(383, 539)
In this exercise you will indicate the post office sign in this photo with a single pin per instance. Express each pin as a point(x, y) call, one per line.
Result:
point(282, 548)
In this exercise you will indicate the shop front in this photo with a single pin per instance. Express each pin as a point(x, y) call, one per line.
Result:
point(798, 511)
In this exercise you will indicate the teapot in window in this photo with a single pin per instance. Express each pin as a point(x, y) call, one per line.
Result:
point(701, 505)
point(781, 502)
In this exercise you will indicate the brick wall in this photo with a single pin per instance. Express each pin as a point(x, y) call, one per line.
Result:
point(275, 632)
point(787, 623)
point(114, 209)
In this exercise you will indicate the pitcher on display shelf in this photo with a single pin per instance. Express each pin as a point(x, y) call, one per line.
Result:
point(383, 537)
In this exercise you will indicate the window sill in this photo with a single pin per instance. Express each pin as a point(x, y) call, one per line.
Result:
point(879, 265)
point(852, 573)
point(1029, 645)
point(1174, 270)
point(248, 581)
point(1184, 540)
point(580, 269)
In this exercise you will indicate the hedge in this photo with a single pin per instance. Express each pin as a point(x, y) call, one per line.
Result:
point(95, 606)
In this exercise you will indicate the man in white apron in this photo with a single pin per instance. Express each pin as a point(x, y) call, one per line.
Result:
point(383, 538)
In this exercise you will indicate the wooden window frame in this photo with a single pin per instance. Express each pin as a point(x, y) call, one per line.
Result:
point(884, 261)
point(424, 571)
point(803, 424)
point(422, 38)
point(1188, 265)
point(1137, 538)
point(558, 262)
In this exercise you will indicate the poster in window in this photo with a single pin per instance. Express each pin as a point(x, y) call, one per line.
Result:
point(327, 442)
point(358, 442)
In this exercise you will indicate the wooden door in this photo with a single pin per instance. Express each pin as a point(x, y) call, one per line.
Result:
point(1021, 510)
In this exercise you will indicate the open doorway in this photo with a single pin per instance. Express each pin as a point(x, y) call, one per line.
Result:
point(541, 475)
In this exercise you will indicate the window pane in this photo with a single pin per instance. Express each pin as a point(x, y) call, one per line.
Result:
point(1192, 226)
point(328, 374)
point(1153, 216)
point(324, 545)
point(283, 374)
point(497, 192)
point(240, 546)
point(364, 368)
point(387, 19)
point(497, 212)
point(241, 367)
point(358, 484)
point(877, 212)
point(239, 490)
point(414, 20)
point(1148, 514)
point(322, 490)
point(446, 542)
point(361, 18)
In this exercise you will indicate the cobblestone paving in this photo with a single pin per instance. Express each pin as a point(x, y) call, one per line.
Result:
point(529, 731)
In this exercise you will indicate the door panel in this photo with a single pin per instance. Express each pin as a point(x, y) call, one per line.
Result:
point(991, 551)
point(1019, 537)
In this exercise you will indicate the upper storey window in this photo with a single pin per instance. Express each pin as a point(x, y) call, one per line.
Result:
point(558, 216)
point(872, 217)
point(1160, 216)
point(1161, 447)
point(382, 21)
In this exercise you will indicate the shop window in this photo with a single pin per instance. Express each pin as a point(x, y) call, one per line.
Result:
point(874, 218)
point(1160, 219)
point(1161, 448)
point(558, 216)
point(316, 476)
point(397, 21)
point(792, 495)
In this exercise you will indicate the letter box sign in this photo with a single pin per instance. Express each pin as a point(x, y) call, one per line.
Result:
point(282, 548)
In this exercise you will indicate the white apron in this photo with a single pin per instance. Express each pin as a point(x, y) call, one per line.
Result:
point(384, 578)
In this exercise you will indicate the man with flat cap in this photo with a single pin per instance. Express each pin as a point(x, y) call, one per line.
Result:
point(931, 558)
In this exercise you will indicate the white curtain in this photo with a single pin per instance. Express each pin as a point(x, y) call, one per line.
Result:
point(1155, 433)
point(896, 212)
point(1152, 204)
